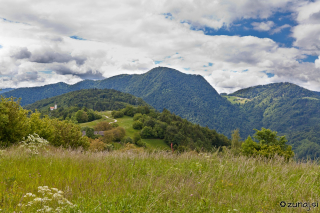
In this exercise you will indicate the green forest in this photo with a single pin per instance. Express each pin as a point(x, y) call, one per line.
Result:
point(283, 107)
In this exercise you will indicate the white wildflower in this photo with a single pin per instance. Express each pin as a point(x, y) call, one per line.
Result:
point(60, 202)
point(33, 143)
point(55, 189)
point(37, 199)
point(29, 195)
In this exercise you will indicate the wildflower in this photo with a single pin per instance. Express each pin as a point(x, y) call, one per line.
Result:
point(37, 199)
point(29, 195)
point(191, 195)
point(55, 189)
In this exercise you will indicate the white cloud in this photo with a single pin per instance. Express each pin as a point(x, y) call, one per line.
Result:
point(128, 36)
point(263, 26)
point(317, 62)
point(307, 32)
point(279, 29)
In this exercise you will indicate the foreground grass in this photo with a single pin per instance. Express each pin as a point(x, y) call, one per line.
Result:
point(132, 180)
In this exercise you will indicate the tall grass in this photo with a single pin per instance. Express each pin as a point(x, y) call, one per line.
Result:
point(133, 180)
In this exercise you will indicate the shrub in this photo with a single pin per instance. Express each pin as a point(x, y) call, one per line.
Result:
point(146, 132)
point(117, 114)
point(67, 134)
point(270, 144)
point(140, 143)
point(13, 121)
point(97, 145)
point(129, 140)
point(103, 126)
point(82, 116)
point(149, 122)
point(137, 116)
point(137, 125)
point(136, 137)
point(114, 135)
point(118, 133)
point(114, 125)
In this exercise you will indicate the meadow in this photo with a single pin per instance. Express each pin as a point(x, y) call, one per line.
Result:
point(126, 122)
point(138, 180)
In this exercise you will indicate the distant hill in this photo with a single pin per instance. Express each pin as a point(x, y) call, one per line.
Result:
point(5, 90)
point(283, 107)
point(287, 108)
point(96, 99)
point(189, 96)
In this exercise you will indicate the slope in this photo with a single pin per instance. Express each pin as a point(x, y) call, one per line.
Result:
point(189, 96)
point(5, 90)
point(287, 108)
point(96, 99)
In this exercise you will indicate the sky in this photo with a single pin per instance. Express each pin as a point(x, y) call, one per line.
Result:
point(233, 44)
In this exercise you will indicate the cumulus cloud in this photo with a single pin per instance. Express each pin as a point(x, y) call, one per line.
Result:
point(307, 32)
point(317, 63)
point(279, 29)
point(128, 36)
point(262, 26)
point(50, 56)
point(22, 53)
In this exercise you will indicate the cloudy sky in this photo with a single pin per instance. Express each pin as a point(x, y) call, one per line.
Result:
point(232, 43)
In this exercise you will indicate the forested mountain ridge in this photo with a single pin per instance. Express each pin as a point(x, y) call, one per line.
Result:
point(284, 107)
point(5, 90)
point(189, 96)
point(96, 99)
point(289, 109)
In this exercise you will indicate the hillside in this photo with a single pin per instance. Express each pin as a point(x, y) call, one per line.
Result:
point(189, 96)
point(283, 107)
point(5, 90)
point(289, 109)
point(96, 99)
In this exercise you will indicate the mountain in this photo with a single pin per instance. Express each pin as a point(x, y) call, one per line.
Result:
point(189, 96)
point(96, 99)
point(283, 107)
point(5, 90)
point(287, 108)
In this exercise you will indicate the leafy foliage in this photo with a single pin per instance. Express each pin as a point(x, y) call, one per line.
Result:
point(95, 99)
point(284, 107)
point(16, 124)
point(270, 144)
point(173, 129)
point(189, 96)
point(287, 108)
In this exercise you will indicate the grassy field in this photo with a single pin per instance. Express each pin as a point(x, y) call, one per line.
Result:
point(126, 123)
point(236, 100)
point(133, 180)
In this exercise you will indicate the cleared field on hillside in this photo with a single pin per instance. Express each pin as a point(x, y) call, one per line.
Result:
point(236, 100)
point(133, 180)
point(126, 123)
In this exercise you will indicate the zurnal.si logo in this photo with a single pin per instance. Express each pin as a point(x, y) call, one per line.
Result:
point(299, 204)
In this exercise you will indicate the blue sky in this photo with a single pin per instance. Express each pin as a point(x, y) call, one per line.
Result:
point(232, 44)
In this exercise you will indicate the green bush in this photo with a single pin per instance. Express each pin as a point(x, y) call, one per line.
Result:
point(270, 144)
point(13, 121)
point(117, 114)
point(137, 125)
point(82, 116)
point(137, 116)
point(146, 132)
